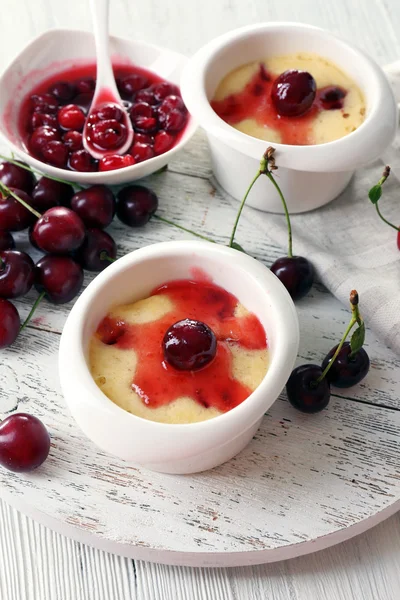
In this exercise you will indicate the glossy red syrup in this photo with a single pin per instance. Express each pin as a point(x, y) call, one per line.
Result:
point(254, 102)
point(156, 382)
point(30, 115)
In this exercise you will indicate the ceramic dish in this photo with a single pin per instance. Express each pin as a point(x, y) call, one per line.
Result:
point(310, 176)
point(60, 49)
point(170, 448)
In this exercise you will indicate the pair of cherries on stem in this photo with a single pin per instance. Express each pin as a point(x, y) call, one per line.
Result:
point(375, 194)
point(308, 387)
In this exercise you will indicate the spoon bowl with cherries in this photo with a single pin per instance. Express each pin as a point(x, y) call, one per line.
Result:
point(56, 117)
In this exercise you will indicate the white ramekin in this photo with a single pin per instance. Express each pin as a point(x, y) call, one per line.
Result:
point(58, 49)
point(310, 176)
point(163, 447)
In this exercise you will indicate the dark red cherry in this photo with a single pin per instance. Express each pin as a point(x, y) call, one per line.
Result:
point(107, 135)
point(303, 391)
point(41, 137)
point(9, 323)
point(398, 239)
point(84, 101)
point(24, 443)
point(189, 345)
point(145, 95)
point(44, 103)
point(95, 206)
point(14, 216)
point(331, 97)
point(43, 120)
point(6, 240)
point(347, 370)
point(59, 276)
point(58, 231)
point(131, 84)
point(163, 141)
point(144, 138)
point(296, 273)
point(141, 109)
point(163, 89)
point(85, 85)
point(49, 192)
point(14, 176)
point(71, 116)
point(73, 140)
point(293, 93)
point(108, 112)
point(82, 161)
point(141, 152)
point(135, 205)
point(115, 161)
point(96, 251)
point(172, 102)
point(172, 120)
point(64, 91)
point(55, 153)
point(16, 273)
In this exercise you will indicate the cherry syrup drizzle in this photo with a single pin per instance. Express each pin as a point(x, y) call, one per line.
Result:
point(255, 102)
point(158, 383)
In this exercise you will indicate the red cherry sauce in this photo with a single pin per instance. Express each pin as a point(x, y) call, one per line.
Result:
point(254, 102)
point(156, 382)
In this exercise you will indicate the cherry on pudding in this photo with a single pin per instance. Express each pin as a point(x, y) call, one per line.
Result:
point(9, 323)
point(293, 93)
point(189, 345)
point(331, 97)
point(16, 273)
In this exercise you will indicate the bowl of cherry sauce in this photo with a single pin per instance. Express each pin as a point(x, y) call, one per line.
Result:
point(172, 355)
point(325, 106)
point(46, 94)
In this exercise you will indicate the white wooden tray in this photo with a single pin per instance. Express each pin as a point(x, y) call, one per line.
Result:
point(304, 483)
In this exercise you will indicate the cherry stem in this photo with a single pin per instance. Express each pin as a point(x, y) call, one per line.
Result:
point(7, 191)
point(355, 318)
point(27, 168)
point(34, 307)
point(105, 256)
point(164, 220)
point(231, 240)
point(385, 220)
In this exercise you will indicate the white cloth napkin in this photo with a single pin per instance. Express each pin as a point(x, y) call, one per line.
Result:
point(349, 246)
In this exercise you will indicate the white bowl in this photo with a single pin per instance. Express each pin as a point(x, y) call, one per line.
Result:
point(176, 448)
point(310, 176)
point(60, 49)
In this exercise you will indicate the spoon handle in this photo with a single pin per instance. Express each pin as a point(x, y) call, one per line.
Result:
point(100, 11)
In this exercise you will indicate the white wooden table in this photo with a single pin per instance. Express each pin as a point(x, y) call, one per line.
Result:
point(38, 564)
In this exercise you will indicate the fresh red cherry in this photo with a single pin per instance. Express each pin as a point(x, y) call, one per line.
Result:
point(41, 137)
point(55, 153)
point(398, 240)
point(115, 161)
point(43, 120)
point(14, 216)
point(293, 93)
point(303, 391)
point(163, 89)
point(14, 176)
point(71, 117)
point(347, 370)
point(141, 152)
point(9, 323)
point(189, 345)
point(107, 135)
point(296, 273)
point(6, 240)
point(73, 140)
point(59, 276)
point(44, 103)
point(24, 443)
point(135, 205)
point(331, 97)
point(163, 141)
point(64, 91)
point(49, 192)
point(131, 84)
point(16, 273)
point(97, 251)
point(95, 206)
point(59, 231)
point(82, 161)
